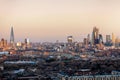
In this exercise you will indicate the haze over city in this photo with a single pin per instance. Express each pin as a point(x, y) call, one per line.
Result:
point(52, 20)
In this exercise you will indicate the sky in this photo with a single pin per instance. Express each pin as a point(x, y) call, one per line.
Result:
point(51, 20)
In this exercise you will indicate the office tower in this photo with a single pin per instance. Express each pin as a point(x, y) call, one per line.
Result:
point(70, 39)
point(117, 42)
point(12, 37)
point(88, 37)
point(92, 41)
point(85, 41)
point(100, 38)
point(113, 39)
point(27, 43)
point(95, 36)
point(3, 43)
point(108, 39)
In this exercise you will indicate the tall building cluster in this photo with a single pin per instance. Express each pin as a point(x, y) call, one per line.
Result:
point(96, 40)
point(4, 45)
point(96, 37)
point(111, 40)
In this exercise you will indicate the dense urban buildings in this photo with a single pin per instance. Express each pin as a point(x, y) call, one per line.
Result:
point(91, 59)
point(59, 39)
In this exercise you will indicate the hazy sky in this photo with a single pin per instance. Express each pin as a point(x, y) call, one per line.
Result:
point(51, 20)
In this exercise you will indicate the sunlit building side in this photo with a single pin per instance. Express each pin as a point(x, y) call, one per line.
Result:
point(70, 39)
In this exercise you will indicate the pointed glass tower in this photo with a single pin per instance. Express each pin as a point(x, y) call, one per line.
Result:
point(12, 36)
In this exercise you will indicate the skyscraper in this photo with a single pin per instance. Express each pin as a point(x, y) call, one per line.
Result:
point(12, 37)
point(86, 42)
point(88, 37)
point(117, 42)
point(113, 39)
point(100, 39)
point(27, 41)
point(70, 39)
point(95, 36)
point(108, 39)
point(3, 43)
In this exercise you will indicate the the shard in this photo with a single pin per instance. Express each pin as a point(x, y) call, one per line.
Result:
point(12, 36)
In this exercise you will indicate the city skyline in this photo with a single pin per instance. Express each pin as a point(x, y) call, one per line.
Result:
point(66, 37)
point(55, 20)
